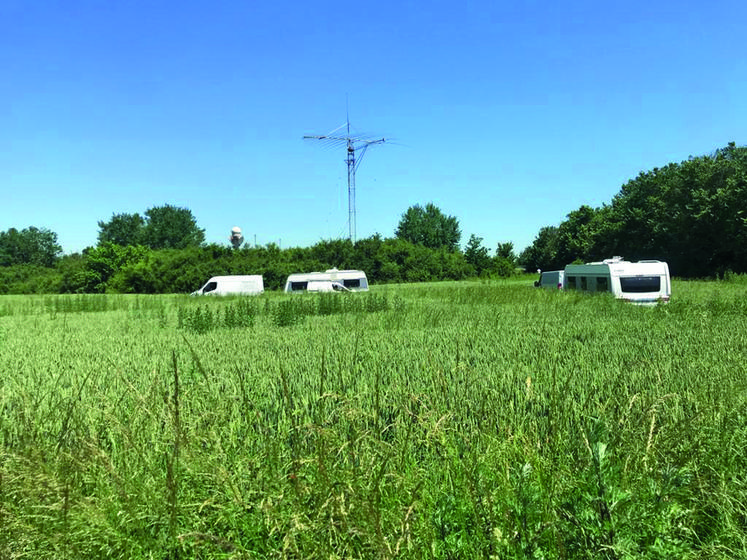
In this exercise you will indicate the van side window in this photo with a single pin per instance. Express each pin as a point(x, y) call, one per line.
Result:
point(602, 284)
point(209, 287)
point(571, 282)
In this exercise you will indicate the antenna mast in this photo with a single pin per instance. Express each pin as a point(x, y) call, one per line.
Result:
point(352, 144)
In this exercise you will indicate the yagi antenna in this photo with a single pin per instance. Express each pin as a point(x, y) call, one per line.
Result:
point(353, 144)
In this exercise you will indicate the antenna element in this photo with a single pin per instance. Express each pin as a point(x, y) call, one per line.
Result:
point(352, 144)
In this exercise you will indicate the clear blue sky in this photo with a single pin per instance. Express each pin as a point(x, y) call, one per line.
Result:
point(507, 115)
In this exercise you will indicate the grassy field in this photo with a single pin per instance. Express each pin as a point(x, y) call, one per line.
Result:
point(454, 420)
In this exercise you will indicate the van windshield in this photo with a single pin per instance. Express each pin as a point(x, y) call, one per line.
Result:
point(640, 284)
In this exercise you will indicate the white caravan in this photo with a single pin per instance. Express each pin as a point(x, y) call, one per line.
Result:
point(232, 286)
point(330, 280)
point(645, 282)
point(553, 279)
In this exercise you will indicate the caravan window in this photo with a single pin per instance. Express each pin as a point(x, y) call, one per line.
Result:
point(602, 284)
point(352, 283)
point(295, 286)
point(571, 282)
point(583, 283)
point(640, 284)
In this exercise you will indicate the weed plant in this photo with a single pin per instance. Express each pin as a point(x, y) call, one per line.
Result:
point(460, 420)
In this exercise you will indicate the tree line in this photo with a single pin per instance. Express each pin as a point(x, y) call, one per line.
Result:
point(164, 251)
point(692, 215)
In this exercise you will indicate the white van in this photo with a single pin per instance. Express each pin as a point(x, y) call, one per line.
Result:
point(232, 285)
point(552, 280)
point(330, 280)
point(644, 282)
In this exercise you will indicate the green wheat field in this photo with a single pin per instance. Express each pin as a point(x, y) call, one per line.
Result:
point(449, 420)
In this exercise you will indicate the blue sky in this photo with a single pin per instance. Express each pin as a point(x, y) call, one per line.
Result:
point(505, 115)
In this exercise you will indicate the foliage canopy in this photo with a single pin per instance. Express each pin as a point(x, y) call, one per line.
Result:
point(692, 214)
point(122, 229)
point(430, 227)
point(164, 227)
point(31, 245)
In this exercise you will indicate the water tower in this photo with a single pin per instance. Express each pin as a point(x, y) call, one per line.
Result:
point(236, 238)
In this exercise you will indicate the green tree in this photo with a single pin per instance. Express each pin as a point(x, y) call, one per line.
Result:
point(337, 253)
point(477, 255)
point(577, 236)
point(170, 227)
point(29, 246)
point(429, 227)
point(71, 268)
point(103, 262)
point(122, 229)
point(506, 251)
point(366, 255)
point(29, 279)
point(543, 252)
point(504, 262)
point(692, 214)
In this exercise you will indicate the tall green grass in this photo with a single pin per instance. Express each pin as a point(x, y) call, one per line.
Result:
point(433, 421)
